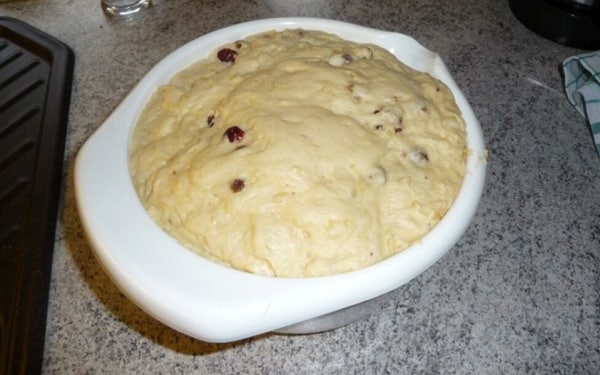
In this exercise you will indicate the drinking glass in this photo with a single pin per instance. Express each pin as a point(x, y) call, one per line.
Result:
point(124, 8)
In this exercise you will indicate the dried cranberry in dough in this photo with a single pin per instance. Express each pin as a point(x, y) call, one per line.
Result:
point(227, 55)
point(234, 134)
point(237, 185)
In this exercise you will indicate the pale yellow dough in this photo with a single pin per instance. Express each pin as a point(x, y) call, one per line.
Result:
point(348, 155)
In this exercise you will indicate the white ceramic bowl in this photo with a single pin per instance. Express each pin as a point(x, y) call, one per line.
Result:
point(215, 303)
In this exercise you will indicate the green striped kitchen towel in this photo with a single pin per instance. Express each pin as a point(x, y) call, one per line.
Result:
point(582, 84)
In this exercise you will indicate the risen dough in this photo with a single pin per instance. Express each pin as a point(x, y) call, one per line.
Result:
point(297, 154)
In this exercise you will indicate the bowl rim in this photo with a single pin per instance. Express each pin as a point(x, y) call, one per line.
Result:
point(213, 302)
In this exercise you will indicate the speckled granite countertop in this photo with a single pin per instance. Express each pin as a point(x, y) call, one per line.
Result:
point(520, 293)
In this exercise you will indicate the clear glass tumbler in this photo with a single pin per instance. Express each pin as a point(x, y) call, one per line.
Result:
point(124, 8)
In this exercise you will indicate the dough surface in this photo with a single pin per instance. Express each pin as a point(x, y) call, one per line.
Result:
point(298, 154)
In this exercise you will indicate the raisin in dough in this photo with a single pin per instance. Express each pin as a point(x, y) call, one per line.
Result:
point(297, 154)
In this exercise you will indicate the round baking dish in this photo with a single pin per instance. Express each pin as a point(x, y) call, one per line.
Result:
point(212, 302)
